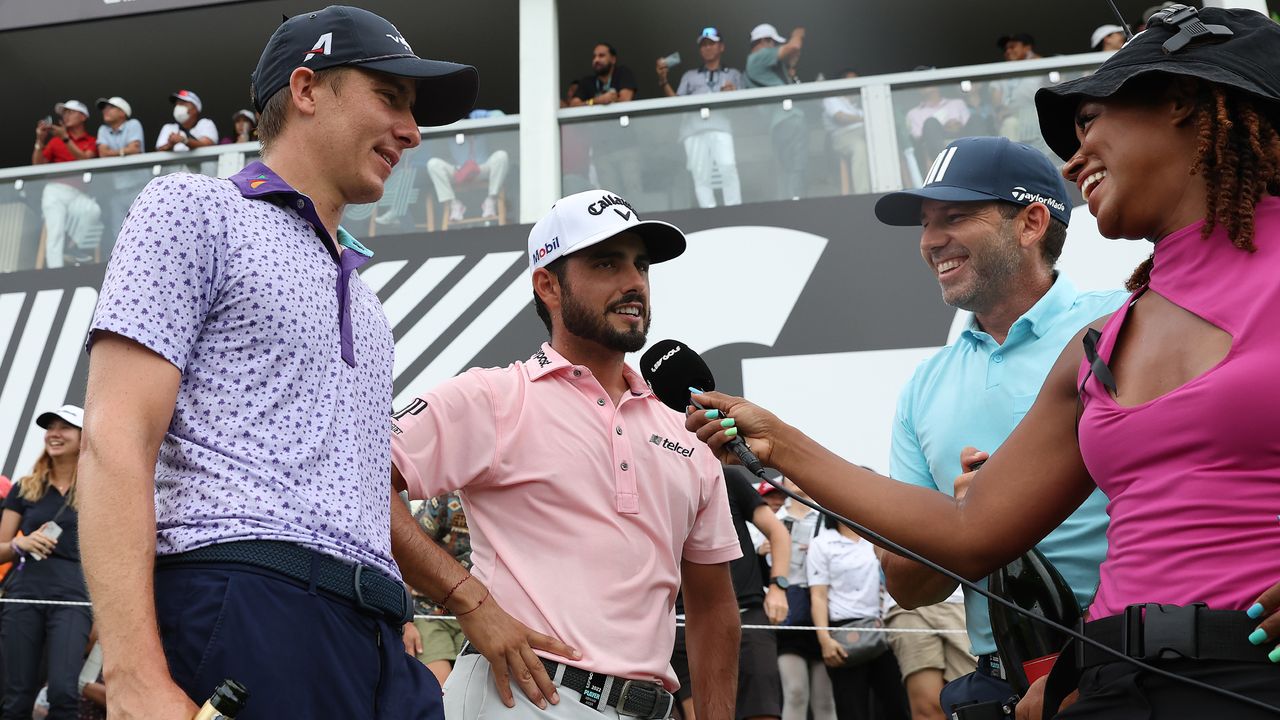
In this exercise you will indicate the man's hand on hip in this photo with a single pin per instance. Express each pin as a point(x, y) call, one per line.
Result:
point(508, 646)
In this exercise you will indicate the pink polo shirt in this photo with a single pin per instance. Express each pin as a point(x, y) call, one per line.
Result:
point(580, 511)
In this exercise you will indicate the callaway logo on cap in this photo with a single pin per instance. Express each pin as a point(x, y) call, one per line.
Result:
point(340, 36)
point(981, 169)
point(582, 220)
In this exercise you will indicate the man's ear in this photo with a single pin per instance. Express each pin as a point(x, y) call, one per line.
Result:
point(1035, 223)
point(302, 88)
point(547, 286)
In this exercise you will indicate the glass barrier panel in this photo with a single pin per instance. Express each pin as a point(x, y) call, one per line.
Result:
point(690, 157)
point(51, 221)
point(931, 116)
point(449, 182)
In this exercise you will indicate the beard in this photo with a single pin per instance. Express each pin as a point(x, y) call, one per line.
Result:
point(594, 326)
point(993, 270)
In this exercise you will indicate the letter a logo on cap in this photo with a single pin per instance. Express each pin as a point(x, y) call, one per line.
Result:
point(323, 46)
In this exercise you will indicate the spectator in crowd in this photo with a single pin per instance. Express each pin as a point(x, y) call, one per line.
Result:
point(188, 130)
point(615, 152)
point(626, 547)
point(934, 122)
point(120, 133)
point(1015, 98)
point(72, 219)
point(759, 685)
point(1107, 38)
point(244, 125)
point(1018, 46)
point(843, 118)
point(608, 82)
point(844, 586)
point(708, 142)
point(806, 686)
point(470, 160)
point(772, 63)
point(929, 660)
point(993, 255)
point(771, 496)
point(64, 137)
point(43, 507)
point(437, 642)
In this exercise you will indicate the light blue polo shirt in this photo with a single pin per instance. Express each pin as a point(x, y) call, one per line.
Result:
point(975, 392)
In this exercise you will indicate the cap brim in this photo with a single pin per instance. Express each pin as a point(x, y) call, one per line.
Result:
point(903, 207)
point(44, 420)
point(446, 91)
point(103, 102)
point(664, 241)
point(1056, 105)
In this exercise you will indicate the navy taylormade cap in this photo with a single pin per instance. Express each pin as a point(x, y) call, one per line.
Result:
point(981, 169)
point(347, 36)
point(1235, 48)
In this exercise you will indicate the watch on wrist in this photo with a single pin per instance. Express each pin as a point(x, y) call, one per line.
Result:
point(781, 582)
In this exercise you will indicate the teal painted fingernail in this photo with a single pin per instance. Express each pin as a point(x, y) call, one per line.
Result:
point(1255, 611)
point(1257, 637)
point(695, 391)
point(727, 422)
point(1275, 655)
point(713, 414)
point(731, 432)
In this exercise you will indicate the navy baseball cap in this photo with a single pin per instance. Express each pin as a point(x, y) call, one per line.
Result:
point(982, 169)
point(1235, 48)
point(340, 36)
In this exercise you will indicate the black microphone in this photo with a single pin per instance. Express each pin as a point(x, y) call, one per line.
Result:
point(671, 368)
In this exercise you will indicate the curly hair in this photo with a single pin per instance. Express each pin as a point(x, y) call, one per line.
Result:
point(1239, 157)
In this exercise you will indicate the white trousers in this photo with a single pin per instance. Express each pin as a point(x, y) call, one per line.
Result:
point(705, 153)
point(494, 168)
point(68, 213)
point(470, 694)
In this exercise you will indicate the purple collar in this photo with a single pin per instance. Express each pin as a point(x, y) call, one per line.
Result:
point(258, 182)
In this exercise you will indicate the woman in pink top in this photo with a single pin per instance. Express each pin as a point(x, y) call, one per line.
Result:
point(1172, 406)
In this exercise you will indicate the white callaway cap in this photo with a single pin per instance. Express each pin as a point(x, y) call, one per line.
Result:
point(71, 414)
point(586, 218)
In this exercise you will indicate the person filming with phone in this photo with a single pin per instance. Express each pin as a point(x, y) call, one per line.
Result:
point(46, 558)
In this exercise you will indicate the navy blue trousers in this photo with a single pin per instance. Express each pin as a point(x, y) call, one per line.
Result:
point(300, 653)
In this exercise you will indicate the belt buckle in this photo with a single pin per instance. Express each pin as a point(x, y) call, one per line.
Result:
point(359, 593)
point(1162, 632)
point(651, 695)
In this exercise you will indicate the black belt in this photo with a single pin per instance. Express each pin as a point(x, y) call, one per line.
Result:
point(366, 588)
point(1165, 632)
point(633, 698)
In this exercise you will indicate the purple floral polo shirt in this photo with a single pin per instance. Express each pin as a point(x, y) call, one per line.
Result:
point(280, 427)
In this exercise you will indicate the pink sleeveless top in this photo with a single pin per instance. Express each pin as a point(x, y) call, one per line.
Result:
point(1193, 476)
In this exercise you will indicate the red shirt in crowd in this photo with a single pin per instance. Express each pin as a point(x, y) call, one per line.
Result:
point(56, 151)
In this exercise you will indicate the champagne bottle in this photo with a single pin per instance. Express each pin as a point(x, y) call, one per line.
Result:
point(1028, 648)
point(227, 701)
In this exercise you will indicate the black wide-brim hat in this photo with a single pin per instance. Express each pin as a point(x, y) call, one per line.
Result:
point(1247, 60)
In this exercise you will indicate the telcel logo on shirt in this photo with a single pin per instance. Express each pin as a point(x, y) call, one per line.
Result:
point(666, 444)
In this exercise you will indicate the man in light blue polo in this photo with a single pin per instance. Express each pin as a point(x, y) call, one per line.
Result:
point(994, 217)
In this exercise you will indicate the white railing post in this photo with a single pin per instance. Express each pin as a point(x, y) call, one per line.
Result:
point(539, 93)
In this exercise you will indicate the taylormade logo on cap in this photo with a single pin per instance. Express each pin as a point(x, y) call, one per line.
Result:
point(1022, 195)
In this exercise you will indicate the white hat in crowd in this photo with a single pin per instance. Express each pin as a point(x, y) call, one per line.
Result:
point(71, 105)
point(190, 97)
point(587, 218)
point(1102, 32)
point(116, 101)
point(765, 30)
point(71, 414)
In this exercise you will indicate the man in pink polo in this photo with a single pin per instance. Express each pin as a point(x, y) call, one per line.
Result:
point(587, 500)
